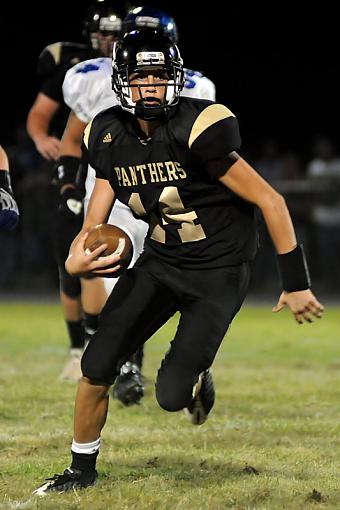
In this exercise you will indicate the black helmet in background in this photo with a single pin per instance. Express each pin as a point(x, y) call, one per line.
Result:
point(103, 25)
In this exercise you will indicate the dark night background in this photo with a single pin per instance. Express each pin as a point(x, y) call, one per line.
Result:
point(274, 65)
point(275, 69)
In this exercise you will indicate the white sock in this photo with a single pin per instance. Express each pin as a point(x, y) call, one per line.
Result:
point(87, 448)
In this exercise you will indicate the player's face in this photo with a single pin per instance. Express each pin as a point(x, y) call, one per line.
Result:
point(149, 85)
point(105, 43)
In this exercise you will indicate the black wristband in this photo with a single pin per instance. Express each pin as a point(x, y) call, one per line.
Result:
point(293, 270)
point(65, 171)
point(5, 181)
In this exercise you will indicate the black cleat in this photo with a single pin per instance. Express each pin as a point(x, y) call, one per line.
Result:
point(70, 479)
point(129, 387)
point(202, 401)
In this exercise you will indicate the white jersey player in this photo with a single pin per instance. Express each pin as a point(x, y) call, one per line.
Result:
point(87, 87)
point(87, 91)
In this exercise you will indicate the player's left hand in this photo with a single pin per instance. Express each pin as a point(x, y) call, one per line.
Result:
point(9, 214)
point(303, 304)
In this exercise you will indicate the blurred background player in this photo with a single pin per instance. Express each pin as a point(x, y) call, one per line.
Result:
point(87, 90)
point(45, 124)
point(9, 213)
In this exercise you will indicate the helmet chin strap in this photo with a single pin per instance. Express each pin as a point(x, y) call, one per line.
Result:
point(149, 112)
point(155, 113)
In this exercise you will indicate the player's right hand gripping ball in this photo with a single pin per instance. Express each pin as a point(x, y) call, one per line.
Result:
point(118, 243)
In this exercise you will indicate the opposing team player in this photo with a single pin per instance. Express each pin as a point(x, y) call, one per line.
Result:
point(174, 162)
point(87, 90)
point(45, 124)
point(9, 213)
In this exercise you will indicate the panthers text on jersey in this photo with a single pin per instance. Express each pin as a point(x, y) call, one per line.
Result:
point(194, 221)
point(87, 87)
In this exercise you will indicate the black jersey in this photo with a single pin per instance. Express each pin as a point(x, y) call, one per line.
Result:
point(53, 63)
point(194, 220)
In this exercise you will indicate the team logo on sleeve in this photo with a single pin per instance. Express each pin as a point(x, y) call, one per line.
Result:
point(107, 138)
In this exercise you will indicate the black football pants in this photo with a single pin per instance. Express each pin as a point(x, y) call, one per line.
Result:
point(144, 298)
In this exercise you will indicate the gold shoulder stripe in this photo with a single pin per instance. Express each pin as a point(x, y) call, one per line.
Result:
point(87, 134)
point(207, 118)
point(55, 50)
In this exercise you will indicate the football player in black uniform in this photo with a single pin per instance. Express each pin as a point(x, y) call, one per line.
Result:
point(174, 161)
point(45, 124)
point(129, 385)
point(9, 213)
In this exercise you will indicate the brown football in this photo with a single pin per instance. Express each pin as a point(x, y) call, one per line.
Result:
point(117, 242)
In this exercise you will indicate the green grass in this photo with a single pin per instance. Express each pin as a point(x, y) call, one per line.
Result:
point(271, 442)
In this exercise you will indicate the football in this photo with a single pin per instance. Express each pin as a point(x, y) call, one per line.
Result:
point(118, 242)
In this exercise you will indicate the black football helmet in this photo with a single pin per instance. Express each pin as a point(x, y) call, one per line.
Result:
point(103, 18)
point(138, 18)
point(146, 50)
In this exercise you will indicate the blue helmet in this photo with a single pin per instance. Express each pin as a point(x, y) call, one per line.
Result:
point(148, 17)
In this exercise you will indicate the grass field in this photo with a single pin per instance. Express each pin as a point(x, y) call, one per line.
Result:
point(271, 442)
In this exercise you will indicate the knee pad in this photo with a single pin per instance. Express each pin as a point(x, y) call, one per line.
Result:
point(174, 389)
point(70, 285)
point(95, 368)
